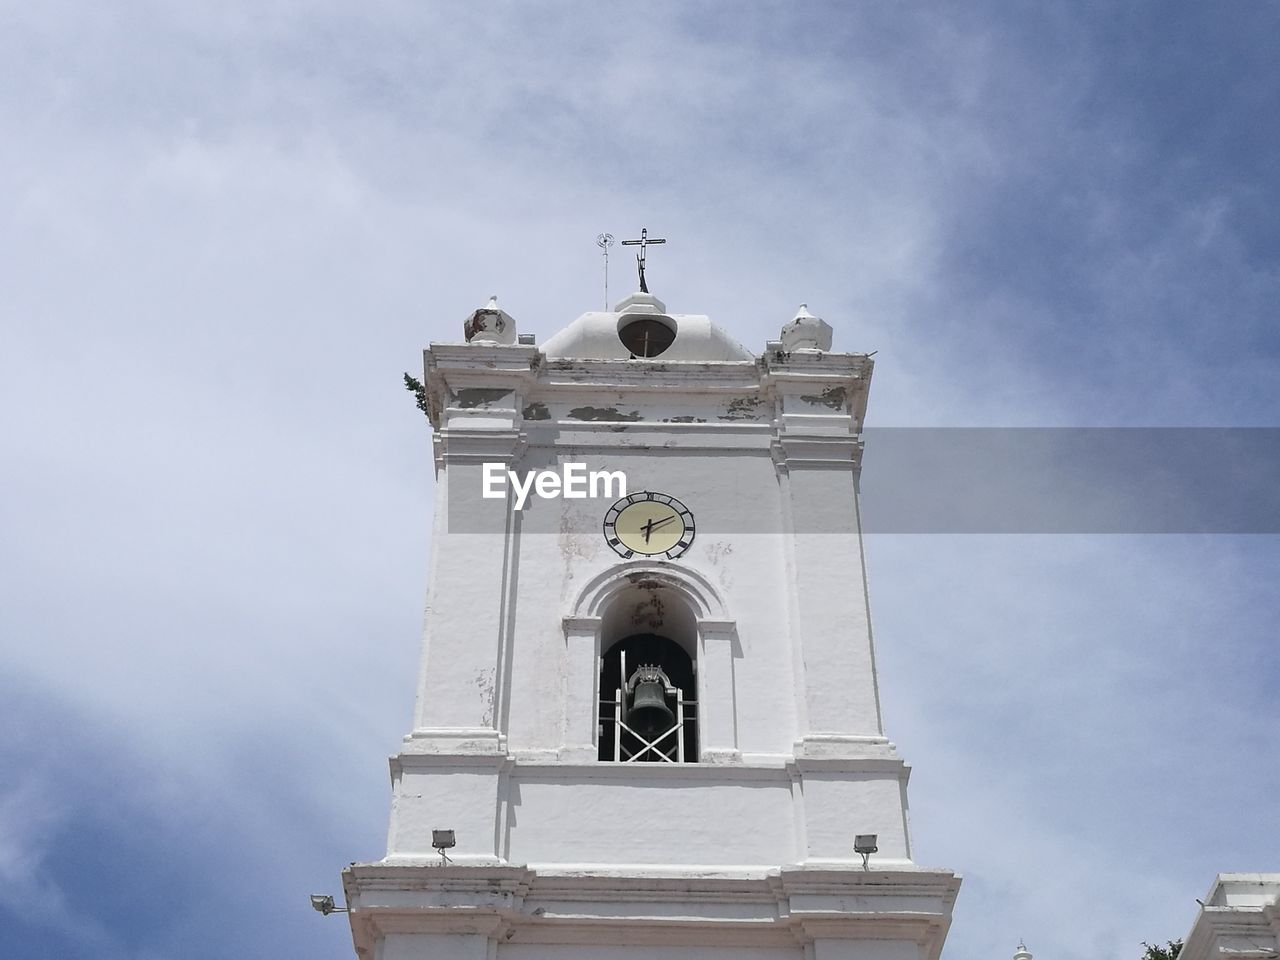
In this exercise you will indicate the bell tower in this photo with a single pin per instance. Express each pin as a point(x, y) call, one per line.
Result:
point(647, 717)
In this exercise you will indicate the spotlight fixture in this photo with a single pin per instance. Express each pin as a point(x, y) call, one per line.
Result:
point(865, 845)
point(323, 903)
point(443, 840)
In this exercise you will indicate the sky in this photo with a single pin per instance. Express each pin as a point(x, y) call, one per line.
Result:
point(227, 229)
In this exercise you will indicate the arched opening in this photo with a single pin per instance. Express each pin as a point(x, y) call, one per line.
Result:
point(648, 710)
point(648, 702)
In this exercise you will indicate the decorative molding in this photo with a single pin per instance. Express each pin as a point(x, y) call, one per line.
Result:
point(798, 451)
point(455, 741)
point(580, 625)
point(479, 445)
point(707, 601)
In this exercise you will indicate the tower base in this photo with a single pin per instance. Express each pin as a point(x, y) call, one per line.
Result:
point(429, 910)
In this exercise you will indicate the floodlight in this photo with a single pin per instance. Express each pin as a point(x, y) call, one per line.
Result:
point(443, 840)
point(865, 844)
point(323, 903)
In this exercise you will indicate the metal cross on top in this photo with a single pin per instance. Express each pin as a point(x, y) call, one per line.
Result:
point(643, 242)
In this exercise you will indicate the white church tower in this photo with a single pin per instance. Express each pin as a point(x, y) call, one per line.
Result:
point(648, 721)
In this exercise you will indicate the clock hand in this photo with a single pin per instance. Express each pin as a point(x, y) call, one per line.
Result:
point(653, 525)
point(656, 525)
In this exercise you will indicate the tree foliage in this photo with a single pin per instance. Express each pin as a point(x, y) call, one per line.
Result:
point(1169, 951)
point(414, 386)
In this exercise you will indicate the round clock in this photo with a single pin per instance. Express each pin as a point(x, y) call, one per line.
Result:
point(649, 524)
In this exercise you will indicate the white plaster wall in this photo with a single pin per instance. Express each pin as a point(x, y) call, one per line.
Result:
point(652, 820)
point(440, 793)
point(561, 548)
point(839, 804)
point(615, 814)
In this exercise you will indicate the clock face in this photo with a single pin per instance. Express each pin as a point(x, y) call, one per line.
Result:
point(649, 524)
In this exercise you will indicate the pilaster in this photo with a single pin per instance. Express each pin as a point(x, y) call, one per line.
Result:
point(718, 692)
point(475, 404)
point(581, 688)
point(820, 400)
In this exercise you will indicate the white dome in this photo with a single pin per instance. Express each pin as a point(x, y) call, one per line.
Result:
point(594, 336)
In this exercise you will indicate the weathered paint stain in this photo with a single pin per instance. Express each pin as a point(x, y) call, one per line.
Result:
point(480, 396)
point(719, 551)
point(684, 420)
point(649, 612)
point(742, 408)
point(537, 411)
point(833, 397)
point(603, 413)
point(484, 683)
point(482, 319)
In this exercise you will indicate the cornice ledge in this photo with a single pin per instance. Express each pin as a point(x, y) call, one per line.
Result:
point(816, 441)
point(454, 742)
point(843, 880)
point(715, 368)
point(479, 445)
point(816, 450)
point(809, 364)
point(497, 358)
point(649, 883)
point(423, 873)
point(585, 771)
point(814, 750)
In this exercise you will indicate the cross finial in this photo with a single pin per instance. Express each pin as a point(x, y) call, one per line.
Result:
point(643, 242)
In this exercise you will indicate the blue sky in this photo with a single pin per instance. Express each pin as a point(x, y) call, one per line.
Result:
point(226, 230)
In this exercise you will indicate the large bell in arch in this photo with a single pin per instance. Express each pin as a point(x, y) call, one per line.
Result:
point(648, 714)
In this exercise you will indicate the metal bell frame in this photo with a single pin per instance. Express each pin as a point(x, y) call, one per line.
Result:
point(622, 753)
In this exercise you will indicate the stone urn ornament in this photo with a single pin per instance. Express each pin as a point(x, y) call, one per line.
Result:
point(490, 324)
point(806, 332)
